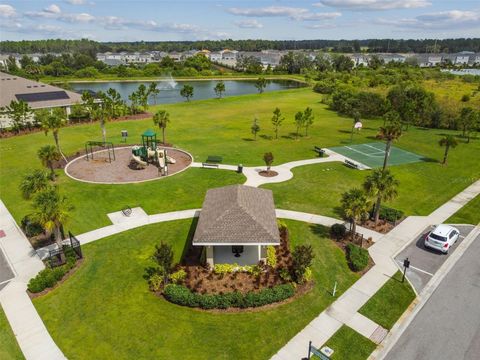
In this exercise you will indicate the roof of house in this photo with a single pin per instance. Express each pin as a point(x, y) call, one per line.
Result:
point(237, 215)
point(36, 94)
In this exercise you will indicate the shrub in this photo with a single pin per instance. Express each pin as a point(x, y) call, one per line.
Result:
point(308, 275)
point(222, 269)
point(178, 277)
point(338, 231)
point(285, 274)
point(324, 87)
point(181, 295)
point(302, 259)
point(155, 282)
point(357, 256)
point(31, 227)
point(282, 225)
point(390, 214)
point(465, 98)
point(271, 256)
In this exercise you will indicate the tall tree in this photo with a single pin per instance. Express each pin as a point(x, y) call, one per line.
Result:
point(381, 186)
point(187, 91)
point(299, 122)
point(261, 84)
point(143, 94)
point(219, 89)
point(277, 120)
point(34, 182)
point(308, 118)
point(115, 103)
point(448, 141)
point(389, 134)
point(47, 155)
point(153, 91)
point(355, 206)
point(52, 121)
point(268, 159)
point(468, 120)
point(19, 112)
point(161, 119)
point(255, 128)
point(163, 256)
point(52, 211)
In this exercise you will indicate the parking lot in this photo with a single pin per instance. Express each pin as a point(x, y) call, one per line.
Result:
point(6, 272)
point(425, 262)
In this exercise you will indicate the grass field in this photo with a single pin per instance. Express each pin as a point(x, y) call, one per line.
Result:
point(222, 127)
point(390, 302)
point(107, 308)
point(347, 344)
point(9, 349)
point(469, 214)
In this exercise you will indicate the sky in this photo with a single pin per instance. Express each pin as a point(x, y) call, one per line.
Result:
point(150, 20)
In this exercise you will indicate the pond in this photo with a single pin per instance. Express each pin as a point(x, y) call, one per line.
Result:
point(170, 88)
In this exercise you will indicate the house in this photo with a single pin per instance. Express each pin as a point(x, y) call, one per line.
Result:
point(36, 94)
point(215, 57)
point(392, 58)
point(359, 59)
point(236, 224)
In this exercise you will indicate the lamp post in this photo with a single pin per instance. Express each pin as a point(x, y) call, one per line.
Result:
point(406, 265)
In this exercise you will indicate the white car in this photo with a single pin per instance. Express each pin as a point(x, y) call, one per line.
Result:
point(442, 238)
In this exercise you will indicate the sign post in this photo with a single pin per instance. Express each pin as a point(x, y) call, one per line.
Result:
point(406, 265)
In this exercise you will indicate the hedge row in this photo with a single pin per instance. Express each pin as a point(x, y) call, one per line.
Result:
point(181, 295)
point(357, 256)
point(48, 277)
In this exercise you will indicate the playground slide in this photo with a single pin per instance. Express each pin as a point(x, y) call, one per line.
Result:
point(138, 160)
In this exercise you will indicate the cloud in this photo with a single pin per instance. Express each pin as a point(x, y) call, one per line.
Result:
point(374, 5)
point(76, 2)
point(293, 13)
point(53, 9)
point(321, 26)
point(452, 19)
point(36, 29)
point(7, 11)
point(249, 24)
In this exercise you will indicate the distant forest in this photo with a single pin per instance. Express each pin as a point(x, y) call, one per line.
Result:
point(342, 46)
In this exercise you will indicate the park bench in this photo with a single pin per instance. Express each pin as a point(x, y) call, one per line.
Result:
point(351, 164)
point(209, 165)
point(319, 151)
point(214, 159)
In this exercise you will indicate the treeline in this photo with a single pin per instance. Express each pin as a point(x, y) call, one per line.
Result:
point(368, 45)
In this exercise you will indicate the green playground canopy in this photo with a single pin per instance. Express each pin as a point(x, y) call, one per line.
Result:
point(372, 154)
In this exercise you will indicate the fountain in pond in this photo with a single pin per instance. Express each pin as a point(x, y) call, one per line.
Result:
point(167, 83)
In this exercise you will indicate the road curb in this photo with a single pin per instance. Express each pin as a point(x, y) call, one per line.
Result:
point(398, 329)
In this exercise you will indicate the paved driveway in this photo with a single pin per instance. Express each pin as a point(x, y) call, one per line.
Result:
point(448, 326)
point(6, 272)
point(425, 262)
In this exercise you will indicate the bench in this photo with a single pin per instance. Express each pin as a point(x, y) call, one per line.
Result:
point(319, 151)
point(214, 159)
point(351, 164)
point(209, 165)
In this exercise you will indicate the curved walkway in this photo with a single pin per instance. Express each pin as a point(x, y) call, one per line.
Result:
point(284, 170)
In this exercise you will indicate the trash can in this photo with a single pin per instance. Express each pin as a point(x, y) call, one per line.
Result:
point(124, 135)
point(240, 168)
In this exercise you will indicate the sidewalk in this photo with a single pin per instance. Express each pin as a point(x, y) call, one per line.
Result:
point(30, 332)
point(344, 309)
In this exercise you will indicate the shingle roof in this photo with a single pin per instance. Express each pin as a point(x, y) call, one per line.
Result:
point(237, 214)
point(12, 85)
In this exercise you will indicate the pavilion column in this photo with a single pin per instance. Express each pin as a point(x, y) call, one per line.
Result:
point(209, 257)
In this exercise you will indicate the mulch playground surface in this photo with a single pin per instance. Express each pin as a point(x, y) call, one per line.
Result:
point(123, 169)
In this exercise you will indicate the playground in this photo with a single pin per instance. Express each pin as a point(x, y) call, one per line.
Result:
point(105, 164)
point(373, 154)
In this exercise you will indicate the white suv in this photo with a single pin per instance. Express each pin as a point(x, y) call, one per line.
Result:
point(442, 238)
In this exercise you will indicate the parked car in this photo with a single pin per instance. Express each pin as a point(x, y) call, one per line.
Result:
point(442, 238)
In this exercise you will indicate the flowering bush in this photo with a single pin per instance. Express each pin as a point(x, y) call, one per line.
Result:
point(271, 256)
point(178, 277)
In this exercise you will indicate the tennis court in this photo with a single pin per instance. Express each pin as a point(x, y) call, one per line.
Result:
point(372, 154)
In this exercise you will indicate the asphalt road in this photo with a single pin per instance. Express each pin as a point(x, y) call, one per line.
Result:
point(425, 262)
point(6, 272)
point(448, 326)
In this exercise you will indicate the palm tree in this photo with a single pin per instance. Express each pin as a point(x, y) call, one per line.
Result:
point(52, 211)
point(47, 155)
point(381, 185)
point(389, 133)
point(448, 141)
point(355, 206)
point(161, 118)
point(53, 121)
point(34, 182)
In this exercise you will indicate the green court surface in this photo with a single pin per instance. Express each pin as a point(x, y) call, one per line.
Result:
point(372, 154)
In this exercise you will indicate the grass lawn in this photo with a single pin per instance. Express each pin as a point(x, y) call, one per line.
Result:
point(347, 344)
point(469, 214)
point(108, 312)
point(390, 302)
point(9, 349)
point(222, 127)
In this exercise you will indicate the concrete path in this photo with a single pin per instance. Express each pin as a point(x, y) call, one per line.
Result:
point(345, 309)
point(30, 332)
point(284, 170)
